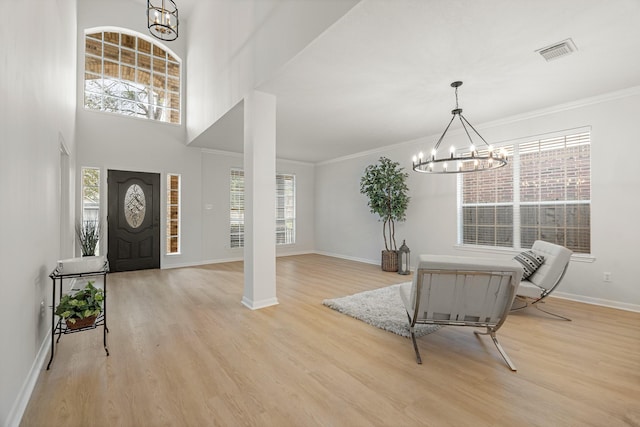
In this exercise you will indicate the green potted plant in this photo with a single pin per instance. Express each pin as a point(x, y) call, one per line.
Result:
point(385, 185)
point(88, 232)
point(81, 309)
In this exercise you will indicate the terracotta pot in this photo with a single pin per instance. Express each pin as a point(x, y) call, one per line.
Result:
point(82, 323)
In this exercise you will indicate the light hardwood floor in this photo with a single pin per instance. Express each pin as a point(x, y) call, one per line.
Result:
point(185, 352)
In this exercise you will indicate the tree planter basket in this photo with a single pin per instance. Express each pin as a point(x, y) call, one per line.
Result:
point(82, 323)
point(389, 260)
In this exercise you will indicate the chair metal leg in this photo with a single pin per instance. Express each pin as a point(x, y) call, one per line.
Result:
point(550, 313)
point(415, 347)
point(536, 305)
point(503, 353)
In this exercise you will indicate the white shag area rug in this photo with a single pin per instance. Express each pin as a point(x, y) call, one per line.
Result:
point(382, 308)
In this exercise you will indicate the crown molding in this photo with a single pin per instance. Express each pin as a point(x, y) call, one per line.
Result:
point(585, 102)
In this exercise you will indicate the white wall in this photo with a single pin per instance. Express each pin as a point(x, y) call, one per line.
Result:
point(216, 167)
point(235, 45)
point(37, 111)
point(344, 227)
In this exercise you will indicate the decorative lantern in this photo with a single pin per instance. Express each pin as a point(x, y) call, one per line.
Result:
point(404, 257)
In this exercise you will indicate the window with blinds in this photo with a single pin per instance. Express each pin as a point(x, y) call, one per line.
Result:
point(236, 213)
point(129, 74)
point(285, 209)
point(544, 193)
point(173, 214)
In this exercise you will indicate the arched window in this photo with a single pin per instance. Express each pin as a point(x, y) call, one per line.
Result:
point(128, 73)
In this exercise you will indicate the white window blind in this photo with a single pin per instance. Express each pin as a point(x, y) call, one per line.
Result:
point(543, 193)
point(285, 226)
point(285, 209)
point(237, 209)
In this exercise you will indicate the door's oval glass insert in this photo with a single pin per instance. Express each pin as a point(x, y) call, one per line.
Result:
point(135, 205)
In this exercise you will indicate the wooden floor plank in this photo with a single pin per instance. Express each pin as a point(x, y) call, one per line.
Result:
point(186, 352)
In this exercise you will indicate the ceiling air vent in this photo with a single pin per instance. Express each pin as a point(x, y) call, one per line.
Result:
point(558, 50)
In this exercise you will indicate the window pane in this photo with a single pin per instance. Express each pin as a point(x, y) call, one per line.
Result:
point(122, 70)
point(91, 198)
point(285, 227)
point(173, 213)
point(554, 184)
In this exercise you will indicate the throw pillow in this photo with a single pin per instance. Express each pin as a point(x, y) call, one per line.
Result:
point(530, 261)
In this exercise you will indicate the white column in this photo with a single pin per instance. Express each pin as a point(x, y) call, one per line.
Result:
point(259, 200)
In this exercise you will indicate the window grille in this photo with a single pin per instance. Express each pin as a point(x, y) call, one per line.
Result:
point(544, 193)
point(127, 73)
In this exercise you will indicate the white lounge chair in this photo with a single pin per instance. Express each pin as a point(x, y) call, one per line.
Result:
point(461, 291)
point(532, 291)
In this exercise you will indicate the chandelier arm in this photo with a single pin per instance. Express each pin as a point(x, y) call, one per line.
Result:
point(444, 133)
point(462, 122)
point(474, 129)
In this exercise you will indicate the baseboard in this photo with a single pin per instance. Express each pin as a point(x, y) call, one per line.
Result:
point(349, 258)
point(200, 263)
point(256, 305)
point(597, 301)
point(17, 411)
point(223, 260)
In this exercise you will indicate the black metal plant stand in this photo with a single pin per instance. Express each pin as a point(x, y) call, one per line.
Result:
point(58, 326)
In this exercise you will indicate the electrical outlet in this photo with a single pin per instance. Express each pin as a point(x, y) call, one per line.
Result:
point(43, 308)
point(606, 277)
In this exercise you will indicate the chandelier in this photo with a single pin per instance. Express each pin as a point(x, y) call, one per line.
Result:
point(460, 161)
point(162, 19)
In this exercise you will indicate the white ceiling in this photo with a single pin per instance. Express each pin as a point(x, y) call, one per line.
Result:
point(381, 75)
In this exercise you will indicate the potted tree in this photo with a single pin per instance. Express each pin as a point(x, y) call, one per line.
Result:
point(385, 185)
point(82, 308)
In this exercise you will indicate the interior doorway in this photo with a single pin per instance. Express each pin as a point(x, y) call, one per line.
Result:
point(133, 220)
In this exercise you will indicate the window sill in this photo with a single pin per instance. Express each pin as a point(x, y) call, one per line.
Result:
point(512, 252)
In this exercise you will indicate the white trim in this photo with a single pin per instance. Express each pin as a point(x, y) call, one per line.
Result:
point(200, 263)
point(295, 162)
point(585, 102)
point(349, 258)
point(597, 301)
point(512, 252)
point(256, 305)
point(236, 259)
point(221, 152)
point(17, 411)
point(241, 156)
point(130, 32)
point(632, 91)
